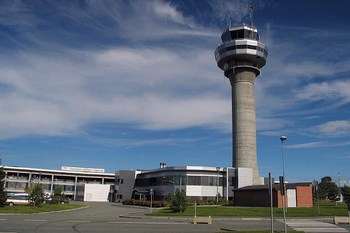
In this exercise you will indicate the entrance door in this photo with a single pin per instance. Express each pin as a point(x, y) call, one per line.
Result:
point(292, 198)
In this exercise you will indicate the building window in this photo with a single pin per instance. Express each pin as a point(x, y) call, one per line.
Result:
point(194, 180)
point(180, 180)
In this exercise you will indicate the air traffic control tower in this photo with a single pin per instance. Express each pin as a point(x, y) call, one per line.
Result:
point(241, 56)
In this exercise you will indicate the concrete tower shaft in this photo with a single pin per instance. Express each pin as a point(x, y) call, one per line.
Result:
point(241, 56)
point(244, 120)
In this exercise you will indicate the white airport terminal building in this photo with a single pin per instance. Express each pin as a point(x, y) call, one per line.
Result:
point(85, 184)
point(91, 184)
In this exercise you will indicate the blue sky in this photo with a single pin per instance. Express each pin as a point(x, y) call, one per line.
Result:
point(130, 84)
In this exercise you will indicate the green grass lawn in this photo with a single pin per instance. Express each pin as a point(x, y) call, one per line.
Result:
point(325, 210)
point(34, 210)
point(261, 231)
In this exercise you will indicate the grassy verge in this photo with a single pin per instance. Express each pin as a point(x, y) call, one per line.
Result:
point(326, 210)
point(32, 210)
point(262, 231)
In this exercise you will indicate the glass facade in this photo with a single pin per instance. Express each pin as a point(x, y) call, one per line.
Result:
point(180, 180)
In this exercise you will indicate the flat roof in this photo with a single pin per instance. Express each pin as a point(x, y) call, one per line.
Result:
point(26, 169)
point(274, 186)
point(186, 168)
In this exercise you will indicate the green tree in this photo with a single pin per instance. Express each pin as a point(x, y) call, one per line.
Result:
point(58, 195)
point(323, 186)
point(346, 193)
point(326, 179)
point(333, 192)
point(36, 194)
point(3, 196)
point(179, 201)
point(346, 196)
point(328, 189)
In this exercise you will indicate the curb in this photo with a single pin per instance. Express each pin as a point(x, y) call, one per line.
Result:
point(56, 211)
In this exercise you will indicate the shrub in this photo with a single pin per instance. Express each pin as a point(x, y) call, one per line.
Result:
point(3, 196)
point(36, 194)
point(179, 201)
point(58, 196)
point(156, 204)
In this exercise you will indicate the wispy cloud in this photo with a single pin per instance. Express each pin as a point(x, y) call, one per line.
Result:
point(306, 145)
point(129, 63)
point(51, 95)
point(318, 144)
point(334, 92)
point(333, 128)
point(230, 11)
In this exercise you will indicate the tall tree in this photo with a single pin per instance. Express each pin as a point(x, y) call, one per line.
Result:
point(346, 196)
point(333, 193)
point(328, 189)
point(3, 196)
point(326, 179)
point(346, 193)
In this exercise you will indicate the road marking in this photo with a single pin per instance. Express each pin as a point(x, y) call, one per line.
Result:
point(2, 219)
point(78, 221)
point(35, 220)
point(314, 226)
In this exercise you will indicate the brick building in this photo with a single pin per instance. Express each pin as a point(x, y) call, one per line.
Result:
point(298, 195)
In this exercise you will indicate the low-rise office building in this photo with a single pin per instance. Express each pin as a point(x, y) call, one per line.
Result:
point(199, 183)
point(77, 183)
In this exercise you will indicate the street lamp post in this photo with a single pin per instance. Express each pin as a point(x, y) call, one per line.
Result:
point(217, 186)
point(151, 204)
point(283, 138)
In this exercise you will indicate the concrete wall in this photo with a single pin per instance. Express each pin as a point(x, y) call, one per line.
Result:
point(244, 177)
point(125, 183)
point(97, 192)
point(203, 191)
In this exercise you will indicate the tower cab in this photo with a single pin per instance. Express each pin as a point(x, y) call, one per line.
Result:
point(241, 46)
point(240, 32)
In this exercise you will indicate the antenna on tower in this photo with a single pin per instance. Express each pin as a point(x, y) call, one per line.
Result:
point(251, 13)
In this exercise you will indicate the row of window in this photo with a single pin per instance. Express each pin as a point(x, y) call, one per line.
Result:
point(22, 186)
point(15, 176)
point(180, 180)
point(239, 34)
point(234, 47)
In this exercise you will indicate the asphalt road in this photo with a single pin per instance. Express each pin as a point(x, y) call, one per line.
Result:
point(106, 217)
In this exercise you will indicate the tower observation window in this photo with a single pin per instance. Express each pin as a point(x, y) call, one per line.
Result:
point(244, 34)
point(238, 34)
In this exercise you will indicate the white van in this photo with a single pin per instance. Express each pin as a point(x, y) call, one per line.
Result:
point(18, 199)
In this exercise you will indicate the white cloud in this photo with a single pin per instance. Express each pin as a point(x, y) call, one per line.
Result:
point(296, 78)
point(169, 84)
point(306, 145)
point(167, 12)
point(336, 92)
point(228, 11)
point(333, 128)
point(154, 88)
